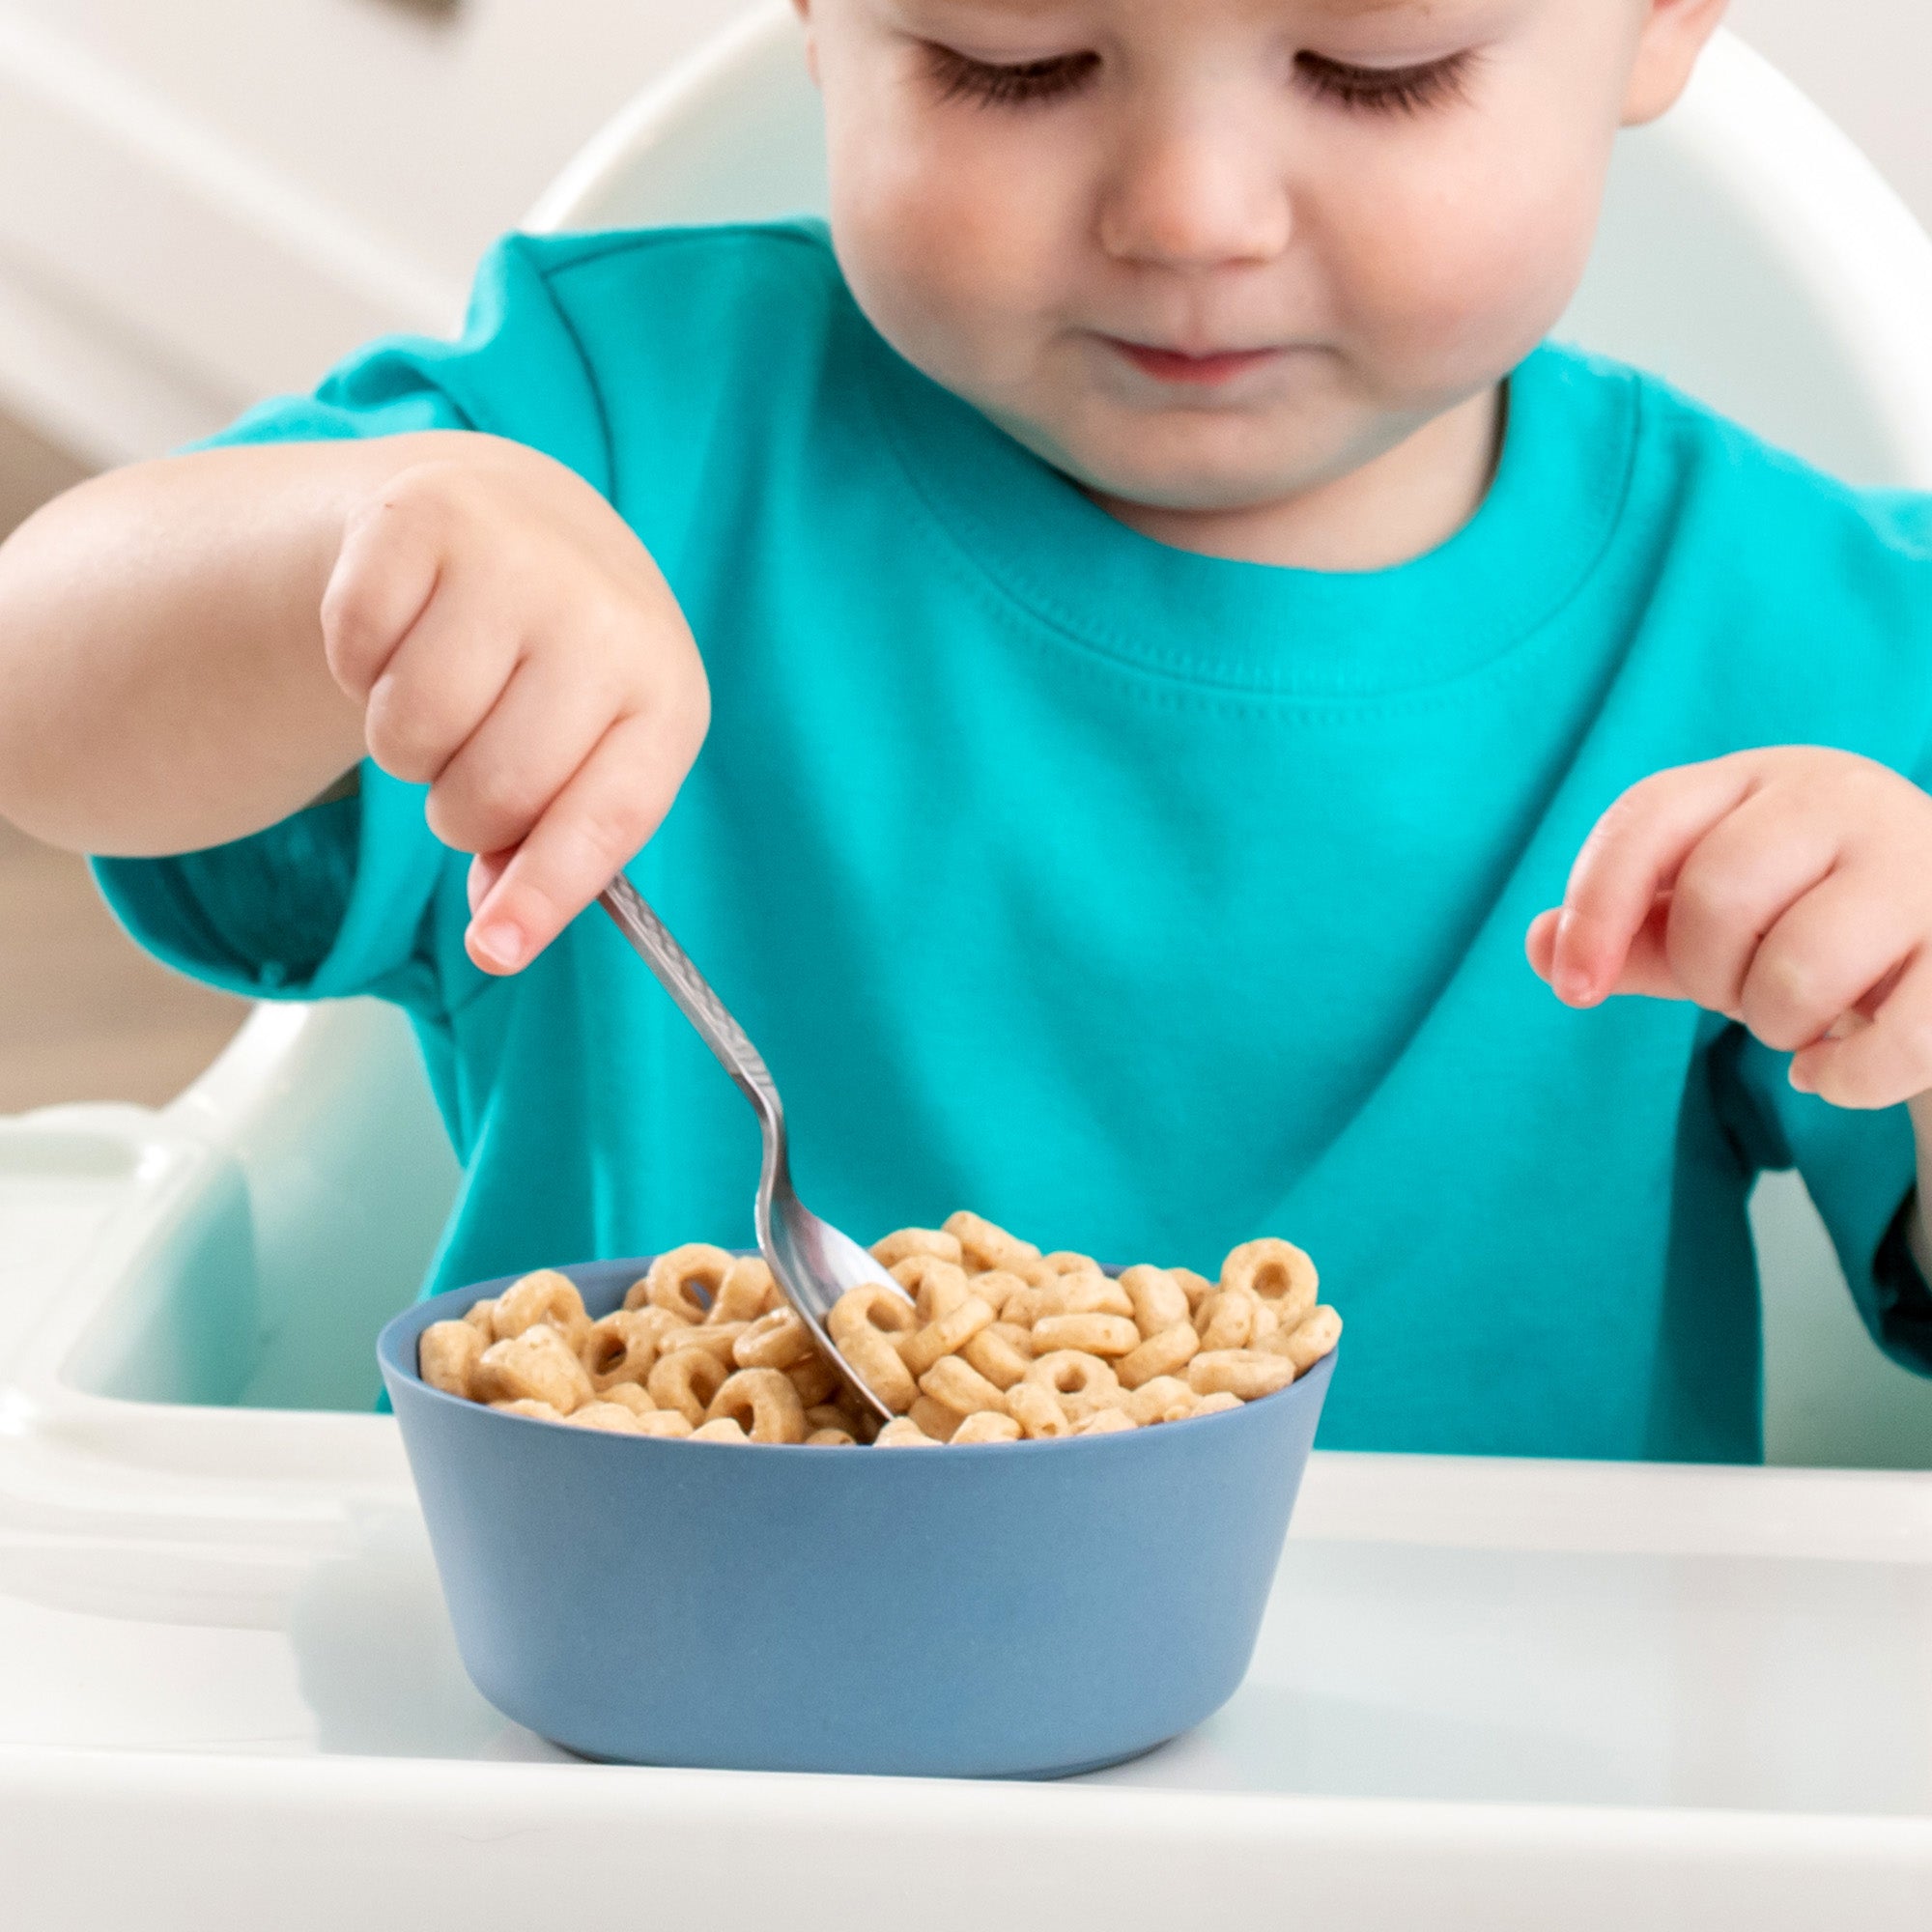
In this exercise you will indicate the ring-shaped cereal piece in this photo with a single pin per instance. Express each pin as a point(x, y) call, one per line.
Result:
point(1305, 1344)
point(945, 1336)
point(997, 1357)
point(961, 1387)
point(816, 1379)
point(1167, 1354)
point(934, 1286)
point(686, 1380)
point(482, 1316)
point(1245, 1373)
point(631, 1395)
point(872, 1359)
point(985, 1425)
point(831, 1415)
point(545, 1296)
point(906, 1241)
point(871, 1307)
point(1038, 1411)
point(1216, 1405)
point(765, 1404)
point(984, 1244)
point(831, 1438)
point(529, 1407)
point(622, 1347)
point(1157, 1300)
point(447, 1354)
point(720, 1340)
point(999, 1286)
point(1196, 1287)
point(1084, 1294)
point(1080, 1382)
point(1277, 1272)
point(1065, 1261)
point(744, 1294)
point(687, 1280)
point(1105, 1422)
point(902, 1433)
point(1164, 1399)
point(664, 1422)
point(1226, 1321)
point(613, 1417)
point(724, 1428)
point(1104, 1335)
point(935, 1418)
point(538, 1365)
point(773, 1341)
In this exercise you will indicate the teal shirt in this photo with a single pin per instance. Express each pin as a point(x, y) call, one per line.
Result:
point(1142, 900)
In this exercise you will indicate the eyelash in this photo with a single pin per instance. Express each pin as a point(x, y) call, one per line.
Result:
point(1394, 90)
point(962, 78)
point(1403, 89)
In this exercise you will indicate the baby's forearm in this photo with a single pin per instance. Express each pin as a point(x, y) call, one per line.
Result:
point(162, 681)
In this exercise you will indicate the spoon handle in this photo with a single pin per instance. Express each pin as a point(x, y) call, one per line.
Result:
point(696, 1000)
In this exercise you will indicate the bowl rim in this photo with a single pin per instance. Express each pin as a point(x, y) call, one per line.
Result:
point(394, 1360)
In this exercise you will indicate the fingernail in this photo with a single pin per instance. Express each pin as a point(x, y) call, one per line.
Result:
point(500, 943)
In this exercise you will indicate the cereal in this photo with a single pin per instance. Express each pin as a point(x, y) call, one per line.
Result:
point(1081, 1383)
point(686, 1381)
point(897, 1246)
point(1106, 1335)
point(537, 1365)
point(945, 1336)
point(448, 1353)
point(1276, 1271)
point(1227, 1319)
point(934, 1418)
point(545, 1296)
point(1167, 1354)
point(984, 1245)
point(686, 1281)
point(611, 1416)
point(622, 1347)
point(979, 1339)
point(961, 1387)
point(1305, 1345)
point(764, 1402)
point(773, 1341)
point(904, 1434)
point(1158, 1301)
point(1241, 1372)
point(986, 1424)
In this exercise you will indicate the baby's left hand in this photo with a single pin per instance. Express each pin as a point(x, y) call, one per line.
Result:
point(1790, 889)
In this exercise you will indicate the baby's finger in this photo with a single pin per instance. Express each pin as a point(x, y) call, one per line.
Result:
point(536, 735)
point(1881, 1065)
point(1629, 860)
point(1843, 938)
point(385, 576)
point(440, 684)
point(1736, 884)
point(595, 826)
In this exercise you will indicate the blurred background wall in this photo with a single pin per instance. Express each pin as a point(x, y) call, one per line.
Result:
point(204, 201)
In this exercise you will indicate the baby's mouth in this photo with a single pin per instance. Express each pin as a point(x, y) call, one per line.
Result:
point(1179, 366)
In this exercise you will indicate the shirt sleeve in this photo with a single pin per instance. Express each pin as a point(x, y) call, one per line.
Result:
point(1859, 1169)
point(356, 895)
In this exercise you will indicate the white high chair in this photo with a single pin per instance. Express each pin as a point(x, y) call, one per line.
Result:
point(222, 1651)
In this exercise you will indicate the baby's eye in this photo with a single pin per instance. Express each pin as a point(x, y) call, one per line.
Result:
point(1386, 90)
point(960, 77)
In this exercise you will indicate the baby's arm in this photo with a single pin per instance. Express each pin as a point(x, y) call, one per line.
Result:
point(192, 649)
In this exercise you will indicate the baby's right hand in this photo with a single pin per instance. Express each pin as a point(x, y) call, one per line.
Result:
point(515, 648)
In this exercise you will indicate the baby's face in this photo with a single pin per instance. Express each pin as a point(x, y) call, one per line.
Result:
point(1209, 254)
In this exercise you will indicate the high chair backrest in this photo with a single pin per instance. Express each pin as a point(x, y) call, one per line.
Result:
point(1750, 252)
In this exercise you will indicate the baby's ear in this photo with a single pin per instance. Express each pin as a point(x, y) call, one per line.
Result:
point(1674, 33)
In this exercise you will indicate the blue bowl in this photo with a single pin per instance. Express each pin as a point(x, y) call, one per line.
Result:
point(1014, 1610)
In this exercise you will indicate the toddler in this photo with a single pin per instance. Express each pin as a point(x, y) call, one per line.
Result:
point(1103, 654)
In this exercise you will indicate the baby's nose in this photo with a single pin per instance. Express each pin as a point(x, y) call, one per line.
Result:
point(1193, 195)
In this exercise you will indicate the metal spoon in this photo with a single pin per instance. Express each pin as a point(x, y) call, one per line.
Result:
point(812, 1262)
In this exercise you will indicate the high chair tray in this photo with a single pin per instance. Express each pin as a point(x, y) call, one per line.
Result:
point(1487, 1694)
